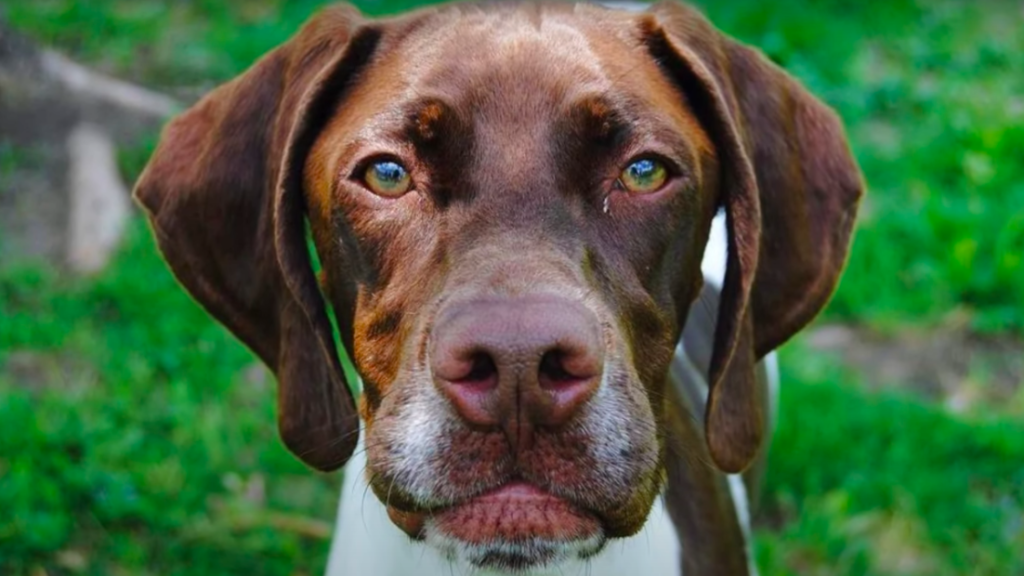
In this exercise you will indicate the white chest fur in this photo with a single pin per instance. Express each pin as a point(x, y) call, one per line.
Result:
point(366, 543)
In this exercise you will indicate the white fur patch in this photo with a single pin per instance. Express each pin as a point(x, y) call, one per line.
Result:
point(626, 6)
point(716, 252)
point(739, 499)
point(609, 421)
point(459, 553)
point(415, 449)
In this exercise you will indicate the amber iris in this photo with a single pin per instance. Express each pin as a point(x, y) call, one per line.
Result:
point(387, 178)
point(643, 176)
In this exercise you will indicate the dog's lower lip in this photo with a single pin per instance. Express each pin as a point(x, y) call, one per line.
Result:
point(516, 511)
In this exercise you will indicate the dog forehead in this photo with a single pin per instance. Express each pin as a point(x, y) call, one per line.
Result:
point(485, 55)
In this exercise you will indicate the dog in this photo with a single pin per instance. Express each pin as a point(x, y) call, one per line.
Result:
point(510, 205)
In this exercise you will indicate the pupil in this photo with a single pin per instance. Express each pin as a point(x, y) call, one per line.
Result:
point(642, 169)
point(389, 171)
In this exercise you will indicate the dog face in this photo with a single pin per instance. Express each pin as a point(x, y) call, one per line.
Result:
point(510, 204)
point(522, 248)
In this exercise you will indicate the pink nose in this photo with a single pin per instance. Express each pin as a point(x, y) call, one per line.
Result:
point(517, 363)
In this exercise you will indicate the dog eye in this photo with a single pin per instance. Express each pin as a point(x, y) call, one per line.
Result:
point(387, 178)
point(643, 176)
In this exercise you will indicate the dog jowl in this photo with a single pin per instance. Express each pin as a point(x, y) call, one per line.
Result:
point(511, 204)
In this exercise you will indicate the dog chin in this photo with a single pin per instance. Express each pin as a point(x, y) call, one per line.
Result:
point(514, 557)
point(516, 528)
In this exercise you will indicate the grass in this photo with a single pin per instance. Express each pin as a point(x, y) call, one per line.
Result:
point(137, 436)
point(884, 484)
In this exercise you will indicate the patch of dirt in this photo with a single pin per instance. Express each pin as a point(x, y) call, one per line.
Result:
point(949, 365)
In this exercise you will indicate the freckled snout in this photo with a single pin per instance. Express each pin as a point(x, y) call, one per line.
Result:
point(517, 363)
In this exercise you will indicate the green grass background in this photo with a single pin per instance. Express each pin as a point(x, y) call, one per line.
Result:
point(137, 437)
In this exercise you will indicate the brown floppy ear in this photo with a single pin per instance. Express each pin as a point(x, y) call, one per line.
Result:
point(790, 189)
point(223, 194)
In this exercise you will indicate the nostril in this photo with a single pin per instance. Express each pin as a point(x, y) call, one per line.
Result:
point(570, 377)
point(483, 372)
point(559, 369)
point(552, 370)
point(469, 379)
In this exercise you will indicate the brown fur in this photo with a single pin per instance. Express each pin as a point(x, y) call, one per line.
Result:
point(514, 140)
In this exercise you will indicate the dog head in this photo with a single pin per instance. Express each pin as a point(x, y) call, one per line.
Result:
point(510, 204)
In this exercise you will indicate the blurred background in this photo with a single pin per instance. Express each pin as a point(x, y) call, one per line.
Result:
point(138, 437)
